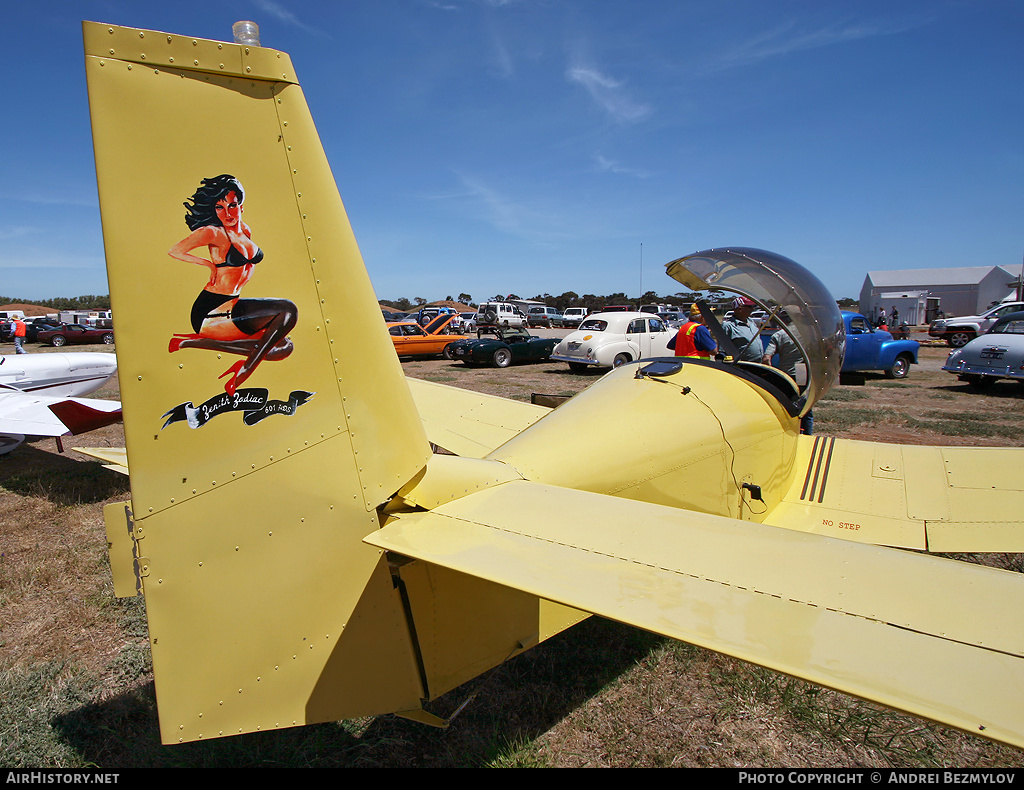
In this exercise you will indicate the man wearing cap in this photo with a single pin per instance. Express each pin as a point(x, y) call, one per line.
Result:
point(693, 338)
point(20, 330)
point(788, 351)
point(789, 354)
point(743, 332)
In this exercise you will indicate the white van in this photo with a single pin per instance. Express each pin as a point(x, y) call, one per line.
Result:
point(573, 316)
point(503, 314)
point(7, 315)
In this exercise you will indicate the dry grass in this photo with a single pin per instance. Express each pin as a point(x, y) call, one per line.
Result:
point(77, 686)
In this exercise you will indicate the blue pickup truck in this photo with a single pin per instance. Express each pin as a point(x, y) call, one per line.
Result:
point(868, 348)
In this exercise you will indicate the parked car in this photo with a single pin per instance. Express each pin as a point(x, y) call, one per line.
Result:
point(757, 316)
point(75, 334)
point(427, 314)
point(503, 314)
point(33, 326)
point(502, 347)
point(868, 348)
point(573, 316)
point(998, 354)
point(613, 339)
point(544, 316)
point(959, 331)
point(464, 323)
point(673, 320)
point(411, 339)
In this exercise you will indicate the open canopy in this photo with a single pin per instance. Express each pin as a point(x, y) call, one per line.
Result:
point(783, 288)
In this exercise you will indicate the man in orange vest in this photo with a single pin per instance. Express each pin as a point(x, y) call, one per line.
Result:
point(20, 330)
point(693, 338)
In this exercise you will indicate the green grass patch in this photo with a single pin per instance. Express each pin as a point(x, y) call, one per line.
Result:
point(844, 394)
point(439, 377)
point(518, 753)
point(964, 417)
point(33, 697)
point(843, 417)
point(966, 425)
point(838, 418)
point(66, 482)
point(904, 740)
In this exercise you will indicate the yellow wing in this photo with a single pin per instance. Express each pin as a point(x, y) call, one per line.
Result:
point(941, 499)
point(940, 639)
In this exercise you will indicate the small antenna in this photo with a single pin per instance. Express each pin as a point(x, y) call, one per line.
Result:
point(641, 296)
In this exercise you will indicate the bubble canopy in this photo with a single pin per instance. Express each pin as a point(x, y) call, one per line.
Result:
point(784, 289)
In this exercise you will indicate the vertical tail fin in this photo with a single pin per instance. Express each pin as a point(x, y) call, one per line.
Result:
point(266, 414)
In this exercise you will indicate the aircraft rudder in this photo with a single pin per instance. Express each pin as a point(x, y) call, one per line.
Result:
point(266, 414)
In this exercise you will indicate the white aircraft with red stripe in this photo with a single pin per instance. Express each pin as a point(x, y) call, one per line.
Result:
point(39, 395)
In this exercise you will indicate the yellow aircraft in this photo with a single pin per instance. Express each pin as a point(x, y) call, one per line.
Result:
point(307, 557)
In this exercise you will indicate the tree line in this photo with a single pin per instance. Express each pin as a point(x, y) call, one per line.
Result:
point(89, 302)
point(592, 302)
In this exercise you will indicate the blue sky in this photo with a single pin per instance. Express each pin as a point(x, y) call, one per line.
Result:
point(542, 146)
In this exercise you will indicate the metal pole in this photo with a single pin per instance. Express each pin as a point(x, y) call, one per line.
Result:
point(641, 297)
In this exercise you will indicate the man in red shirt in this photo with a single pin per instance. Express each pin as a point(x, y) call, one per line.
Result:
point(19, 335)
point(693, 338)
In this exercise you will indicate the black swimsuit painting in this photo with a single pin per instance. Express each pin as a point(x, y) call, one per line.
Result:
point(222, 320)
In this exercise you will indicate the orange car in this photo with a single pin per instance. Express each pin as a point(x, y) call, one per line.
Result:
point(411, 339)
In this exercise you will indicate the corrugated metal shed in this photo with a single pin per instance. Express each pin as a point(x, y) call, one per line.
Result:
point(958, 290)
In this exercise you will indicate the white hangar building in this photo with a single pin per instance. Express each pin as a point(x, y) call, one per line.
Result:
point(919, 294)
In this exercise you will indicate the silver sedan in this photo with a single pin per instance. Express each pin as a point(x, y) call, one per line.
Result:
point(998, 354)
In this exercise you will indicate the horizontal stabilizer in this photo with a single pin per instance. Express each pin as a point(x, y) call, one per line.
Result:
point(937, 638)
point(79, 417)
point(470, 424)
point(114, 458)
point(34, 415)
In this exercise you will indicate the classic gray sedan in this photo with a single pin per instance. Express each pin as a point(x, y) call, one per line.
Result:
point(998, 354)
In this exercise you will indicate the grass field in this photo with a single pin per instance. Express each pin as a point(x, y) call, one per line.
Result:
point(76, 683)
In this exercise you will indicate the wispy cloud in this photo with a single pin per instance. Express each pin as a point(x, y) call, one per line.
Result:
point(283, 14)
point(457, 5)
point(58, 200)
point(606, 165)
point(18, 232)
point(508, 214)
point(793, 37)
point(15, 200)
point(34, 259)
point(609, 93)
point(503, 66)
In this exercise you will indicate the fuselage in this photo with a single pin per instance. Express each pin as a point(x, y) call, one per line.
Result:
point(707, 437)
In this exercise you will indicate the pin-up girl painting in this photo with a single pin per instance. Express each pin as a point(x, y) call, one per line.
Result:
point(222, 320)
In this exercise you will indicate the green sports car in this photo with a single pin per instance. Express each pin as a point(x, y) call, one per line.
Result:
point(501, 347)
